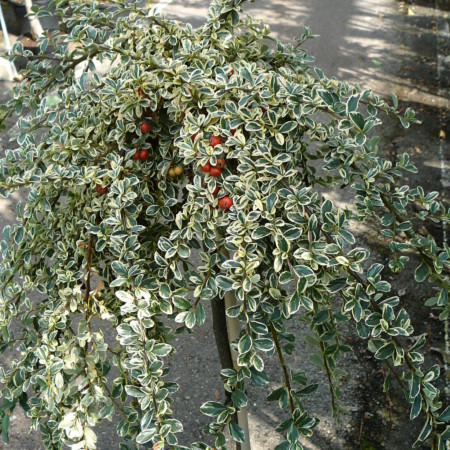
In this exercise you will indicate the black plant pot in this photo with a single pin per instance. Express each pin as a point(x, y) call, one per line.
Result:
point(15, 16)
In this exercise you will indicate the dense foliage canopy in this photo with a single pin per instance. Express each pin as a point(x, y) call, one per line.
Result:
point(117, 209)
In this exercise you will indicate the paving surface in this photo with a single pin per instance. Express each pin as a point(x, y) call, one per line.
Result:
point(386, 45)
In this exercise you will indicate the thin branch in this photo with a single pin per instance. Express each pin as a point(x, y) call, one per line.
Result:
point(328, 371)
point(116, 404)
point(88, 274)
point(376, 307)
point(287, 380)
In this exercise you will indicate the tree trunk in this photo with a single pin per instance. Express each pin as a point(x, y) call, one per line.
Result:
point(234, 330)
point(222, 342)
point(221, 333)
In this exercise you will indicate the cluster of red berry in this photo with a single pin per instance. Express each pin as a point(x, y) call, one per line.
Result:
point(140, 153)
point(225, 202)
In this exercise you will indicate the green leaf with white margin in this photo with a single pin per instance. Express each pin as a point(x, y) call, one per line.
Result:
point(212, 409)
point(225, 283)
point(421, 272)
point(145, 436)
point(236, 432)
point(161, 349)
point(124, 296)
point(288, 127)
point(305, 272)
point(245, 344)
point(239, 398)
point(425, 432)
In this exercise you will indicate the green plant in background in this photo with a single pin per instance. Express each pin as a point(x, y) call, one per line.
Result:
point(197, 142)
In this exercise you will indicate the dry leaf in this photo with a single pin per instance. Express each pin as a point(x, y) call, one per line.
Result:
point(100, 285)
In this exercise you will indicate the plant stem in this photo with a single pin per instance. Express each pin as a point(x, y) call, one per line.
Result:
point(233, 333)
point(287, 381)
point(234, 330)
point(88, 274)
point(330, 382)
point(222, 342)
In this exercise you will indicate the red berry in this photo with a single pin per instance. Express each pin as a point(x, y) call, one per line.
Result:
point(143, 154)
point(221, 163)
point(206, 168)
point(231, 72)
point(140, 92)
point(136, 155)
point(215, 171)
point(233, 131)
point(100, 189)
point(216, 191)
point(146, 128)
point(214, 140)
point(226, 202)
point(194, 136)
point(263, 109)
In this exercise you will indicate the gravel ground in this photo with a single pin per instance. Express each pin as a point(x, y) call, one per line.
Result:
point(388, 46)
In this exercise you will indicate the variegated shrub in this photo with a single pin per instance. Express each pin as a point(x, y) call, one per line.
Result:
point(106, 238)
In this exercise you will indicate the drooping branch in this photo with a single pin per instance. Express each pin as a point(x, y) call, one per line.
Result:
point(357, 277)
point(88, 274)
point(287, 379)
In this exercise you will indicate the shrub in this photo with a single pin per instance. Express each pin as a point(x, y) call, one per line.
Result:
point(200, 141)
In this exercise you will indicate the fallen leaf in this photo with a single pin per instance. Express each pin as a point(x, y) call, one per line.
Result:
point(417, 149)
point(442, 134)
